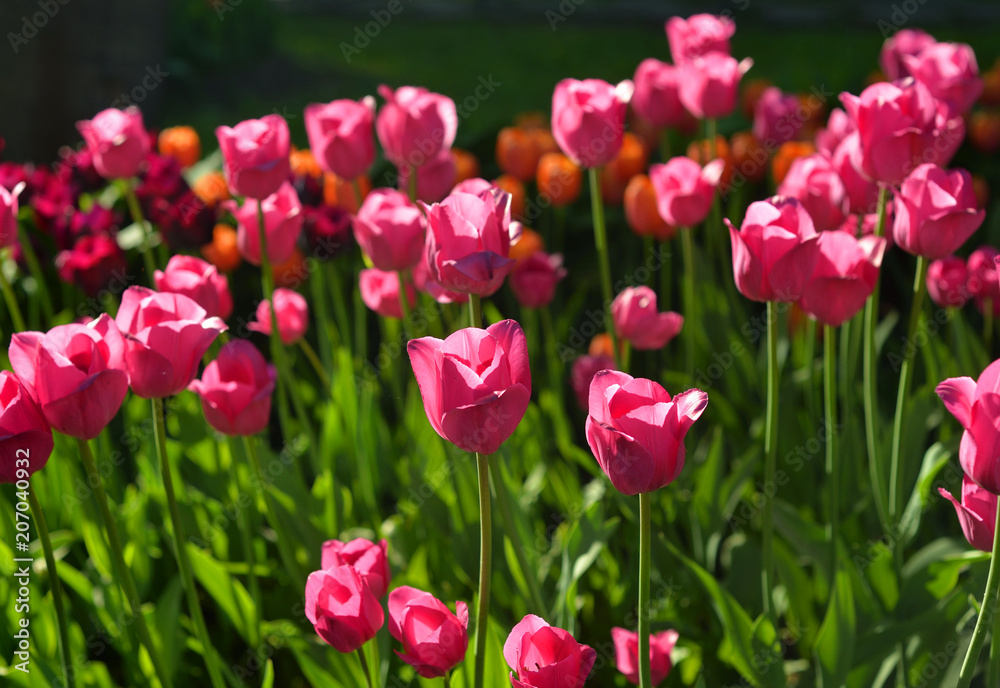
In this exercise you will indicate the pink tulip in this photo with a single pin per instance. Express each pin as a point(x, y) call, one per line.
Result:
point(543, 656)
point(707, 84)
point(950, 72)
point(582, 374)
point(534, 279)
point(814, 181)
point(776, 117)
point(935, 212)
point(974, 404)
point(655, 99)
point(774, 251)
point(984, 283)
point(293, 316)
point(117, 140)
point(368, 559)
point(475, 384)
point(166, 336)
point(75, 373)
point(637, 320)
point(342, 609)
point(282, 225)
point(434, 640)
point(390, 230)
point(948, 282)
point(8, 215)
point(425, 282)
point(380, 292)
point(896, 126)
point(236, 388)
point(698, 35)
point(340, 136)
point(435, 178)
point(198, 280)
point(474, 186)
point(415, 125)
point(627, 653)
point(838, 127)
point(862, 193)
point(684, 190)
point(469, 241)
point(949, 132)
point(977, 513)
point(843, 278)
point(25, 436)
point(636, 431)
point(93, 262)
point(588, 119)
point(255, 155)
point(902, 44)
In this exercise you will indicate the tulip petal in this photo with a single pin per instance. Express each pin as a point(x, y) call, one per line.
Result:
point(624, 460)
point(512, 340)
point(85, 413)
point(957, 394)
point(483, 427)
point(425, 359)
point(512, 647)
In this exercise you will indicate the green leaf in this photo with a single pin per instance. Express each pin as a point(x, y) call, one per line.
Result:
point(835, 643)
point(228, 592)
point(268, 681)
point(935, 459)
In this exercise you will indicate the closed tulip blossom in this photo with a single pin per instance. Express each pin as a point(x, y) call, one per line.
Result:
point(974, 405)
point(844, 276)
point(814, 181)
point(636, 431)
point(434, 639)
point(902, 44)
point(341, 136)
point(948, 282)
point(293, 316)
point(655, 98)
point(475, 384)
point(198, 280)
point(627, 653)
point(543, 656)
point(117, 140)
point(534, 279)
point(707, 85)
point(638, 322)
point(977, 513)
point(861, 192)
point(282, 225)
point(435, 178)
point(25, 436)
point(984, 282)
point(468, 246)
point(936, 211)
point(414, 125)
point(255, 156)
point(390, 230)
point(342, 608)
point(582, 374)
point(166, 336)
point(774, 250)
point(236, 388)
point(75, 373)
point(698, 35)
point(588, 119)
point(8, 214)
point(950, 72)
point(776, 117)
point(380, 292)
point(368, 559)
point(684, 190)
point(949, 133)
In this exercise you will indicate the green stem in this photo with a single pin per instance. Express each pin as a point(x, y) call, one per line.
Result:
point(690, 316)
point(36, 271)
point(601, 243)
point(404, 303)
point(339, 304)
point(645, 669)
point(665, 147)
point(485, 564)
point(245, 520)
point(986, 613)
point(412, 185)
point(314, 361)
point(17, 319)
point(122, 571)
point(832, 469)
point(135, 208)
point(770, 462)
point(626, 357)
point(356, 190)
point(55, 585)
point(869, 370)
point(364, 666)
point(555, 368)
point(187, 579)
point(510, 527)
point(475, 311)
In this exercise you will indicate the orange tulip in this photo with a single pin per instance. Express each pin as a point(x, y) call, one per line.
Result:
point(338, 192)
point(292, 272)
point(515, 188)
point(545, 142)
point(466, 165)
point(180, 143)
point(786, 155)
point(517, 153)
point(641, 212)
point(304, 164)
point(700, 151)
point(749, 156)
point(600, 345)
point(559, 179)
point(527, 244)
point(211, 189)
point(531, 120)
point(222, 252)
point(984, 130)
point(630, 161)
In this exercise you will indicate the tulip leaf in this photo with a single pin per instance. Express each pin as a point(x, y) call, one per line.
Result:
point(268, 681)
point(835, 642)
point(227, 592)
point(935, 459)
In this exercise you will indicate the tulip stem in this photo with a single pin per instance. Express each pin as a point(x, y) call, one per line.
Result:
point(869, 371)
point(986, 614)
point(475, 311)
point(988, 327)
point(601, 243)
point(993, 670)
point(364, 666)
point(356, 190)
point(832, 470)
point(404, 304)
point(135, 209)
point(411, 185)
point(187, 579)
point(510, 526)
point(36, 271)
point(54, 585)
point(122, 572)
point(645, 547)
point(770, 461)
point(314, 361)
point(690, 316)
point(246, 521)
point(17, 319)
point(485, 564)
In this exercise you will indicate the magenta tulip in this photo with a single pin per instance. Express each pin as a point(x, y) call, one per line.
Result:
point(543, 656)
point(948, 282)
point(166, 336)
point(862, 193)
point(435, 178)
point(636, 431)
point(977, 513)
point(434, 640)
point(534, 279)
point(474, 186)
point(198, 280)
point(293, 316)
point(698, 35)
point(838, 127)
point(8, 215)
point(843, 278)
point(583, 372)
point(25, 436)
point(684, 190)
point(774, 251)
point(368, 559)
point(75, 373)
point(424, 281)
point(92, 264)
point(117, 141)
point(475, 384)
point(655, 99)
point(588, 119)
point(902, 44)
point(255, 156)
point(414, 125)
point(282, 225)
point(236, 388)
point(949, 132)
point(974, 403)
point(637, 320)
point(390, 230)
point(627, 653)
point(984, 282)
point(707, 84)
point(935, 212)
point(776, 117)
point(341, 136)
point(342, 609)
point(814, 181)
point(950, 72)
point(380, 292)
